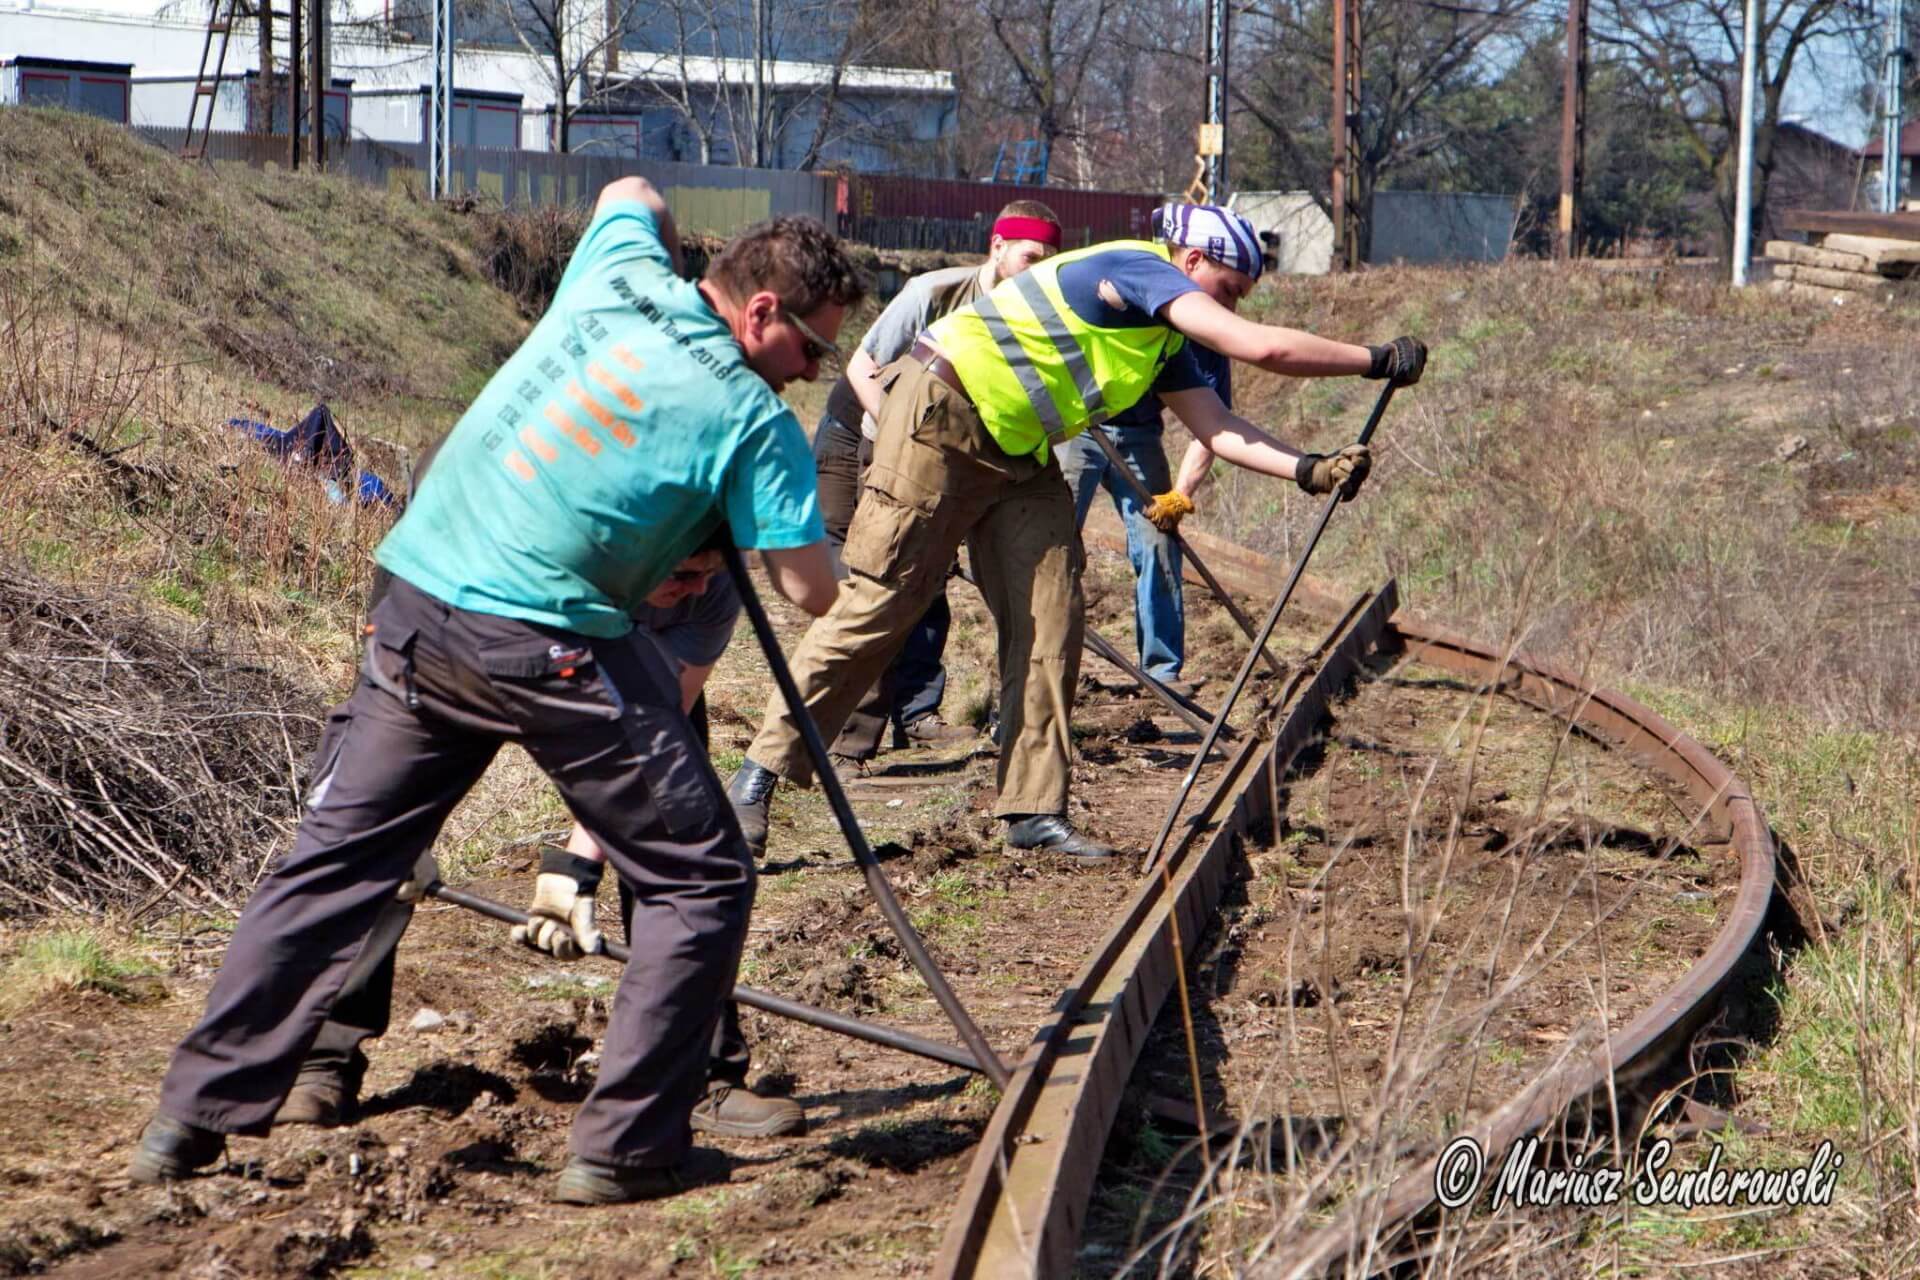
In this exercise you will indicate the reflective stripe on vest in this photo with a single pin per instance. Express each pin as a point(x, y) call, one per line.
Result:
point(1037, 371)
point(1022, 364)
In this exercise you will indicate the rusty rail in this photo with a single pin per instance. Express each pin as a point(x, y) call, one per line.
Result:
point(1024, 1200)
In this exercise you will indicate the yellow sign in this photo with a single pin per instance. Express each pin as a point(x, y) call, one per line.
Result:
point(1210, 140)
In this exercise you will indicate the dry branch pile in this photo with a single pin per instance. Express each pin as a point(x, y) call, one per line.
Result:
point(138, 761)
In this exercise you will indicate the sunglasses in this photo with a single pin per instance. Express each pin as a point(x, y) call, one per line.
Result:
point(816, 347)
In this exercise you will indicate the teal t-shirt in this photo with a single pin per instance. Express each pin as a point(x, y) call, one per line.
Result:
point(609, 446)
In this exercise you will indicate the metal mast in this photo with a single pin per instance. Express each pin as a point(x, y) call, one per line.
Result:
point(1743, 183)
point(1891, 162)
point(440, 104)
point(1215, 149)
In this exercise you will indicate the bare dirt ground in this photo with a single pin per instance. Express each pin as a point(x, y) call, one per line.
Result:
point(465, 1124)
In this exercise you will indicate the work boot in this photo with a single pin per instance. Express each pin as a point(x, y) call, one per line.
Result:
point(751, 794)
point(739, 1112)
point(171, 1149)
point(931, 730)
point(324, 1095)
point(847, 768)
point(1052, 833)
point(590, 1182)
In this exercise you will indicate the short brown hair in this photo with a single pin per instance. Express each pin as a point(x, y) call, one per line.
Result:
point(1029, 209)
point(795, 257)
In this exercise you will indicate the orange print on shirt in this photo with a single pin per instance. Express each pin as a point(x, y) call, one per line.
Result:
point(627, 358)
point(572, 430)
point(621, 391)
point(541, 449)
point(519, 465)
point(602, 415)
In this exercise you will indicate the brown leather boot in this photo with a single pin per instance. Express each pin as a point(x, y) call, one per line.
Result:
point(739, 1112)
point(325, 1097)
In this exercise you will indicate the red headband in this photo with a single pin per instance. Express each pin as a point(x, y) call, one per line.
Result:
point(1047, 233)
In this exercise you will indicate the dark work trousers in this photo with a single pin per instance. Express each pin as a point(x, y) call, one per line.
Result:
point(913, 683)
point(365, 1004)
point(441, 689)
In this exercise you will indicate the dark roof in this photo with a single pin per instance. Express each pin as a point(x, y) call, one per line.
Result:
point(67, 64)
point(1909, 141)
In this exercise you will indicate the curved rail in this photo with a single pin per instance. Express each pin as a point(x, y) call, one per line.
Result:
point(1723, 798)
point(1024, 1200)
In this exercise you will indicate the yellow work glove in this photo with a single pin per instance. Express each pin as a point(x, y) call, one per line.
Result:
point(562, 909)
point(1324, 472)
point(1167, 510)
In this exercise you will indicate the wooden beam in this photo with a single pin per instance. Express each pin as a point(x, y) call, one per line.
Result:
point(1896, 226)
point(1887, 256)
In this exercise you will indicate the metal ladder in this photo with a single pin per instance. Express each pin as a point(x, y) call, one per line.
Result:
point(222, 17)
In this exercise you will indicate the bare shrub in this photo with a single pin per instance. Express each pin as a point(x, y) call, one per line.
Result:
point(137, 761)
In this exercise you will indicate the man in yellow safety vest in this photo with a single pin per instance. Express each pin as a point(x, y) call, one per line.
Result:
point(965, 452)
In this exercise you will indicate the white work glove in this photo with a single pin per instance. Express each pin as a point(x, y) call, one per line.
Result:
point(562, 909)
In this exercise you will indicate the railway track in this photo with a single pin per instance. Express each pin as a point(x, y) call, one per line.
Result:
point(1025, 1197)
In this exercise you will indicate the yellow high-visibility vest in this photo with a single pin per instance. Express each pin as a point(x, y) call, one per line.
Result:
point(1038, 374)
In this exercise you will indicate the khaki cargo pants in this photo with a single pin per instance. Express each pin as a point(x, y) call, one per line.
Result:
point(939, 479)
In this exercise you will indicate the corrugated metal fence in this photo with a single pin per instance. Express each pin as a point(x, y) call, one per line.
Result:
point(894, 212)
point(720, 199)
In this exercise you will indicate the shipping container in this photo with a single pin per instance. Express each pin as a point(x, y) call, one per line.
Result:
point(481, 118)
point(893, 212)
point(95, 88)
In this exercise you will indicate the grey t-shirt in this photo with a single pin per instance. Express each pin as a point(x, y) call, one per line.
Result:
point(926, 298)
point(695, 632)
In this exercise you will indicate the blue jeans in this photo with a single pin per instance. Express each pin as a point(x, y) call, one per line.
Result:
point(1159, 613)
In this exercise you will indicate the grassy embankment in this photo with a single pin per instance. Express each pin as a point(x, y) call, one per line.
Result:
point(1591, 462)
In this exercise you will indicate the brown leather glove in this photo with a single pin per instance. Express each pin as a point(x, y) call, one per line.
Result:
point(1167, 510)
point(1322, 473)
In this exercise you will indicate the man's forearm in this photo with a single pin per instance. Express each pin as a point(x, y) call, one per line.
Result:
point(1195, 466)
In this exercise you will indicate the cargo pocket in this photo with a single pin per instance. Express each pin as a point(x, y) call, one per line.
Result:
point(539, 677)
point(890, 540)
point(387, 663)
point(679, 785)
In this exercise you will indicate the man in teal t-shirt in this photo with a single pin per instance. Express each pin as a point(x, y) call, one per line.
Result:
point(591, 463)
point(638, 419)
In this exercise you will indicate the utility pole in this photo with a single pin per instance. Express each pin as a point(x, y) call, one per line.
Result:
point(1573, 132)
point(1891, 161)
point(1346, 141)
point(759, 83)
point(1214, 137)
point(294, 60)
point(317, 37)
point(440, 104)
point(1743, 182)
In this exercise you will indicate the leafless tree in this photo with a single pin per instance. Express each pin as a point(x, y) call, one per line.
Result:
point(1050, 47)
point(568, 37)
point(1691, 51)
point(1414, 53)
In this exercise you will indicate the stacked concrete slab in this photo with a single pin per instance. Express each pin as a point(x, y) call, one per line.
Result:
point(1837, 263)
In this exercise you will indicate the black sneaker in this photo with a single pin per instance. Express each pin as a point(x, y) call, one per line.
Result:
point(590, 1182)
point(1051, 832)
point(751, 794)
point(171, 1149)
